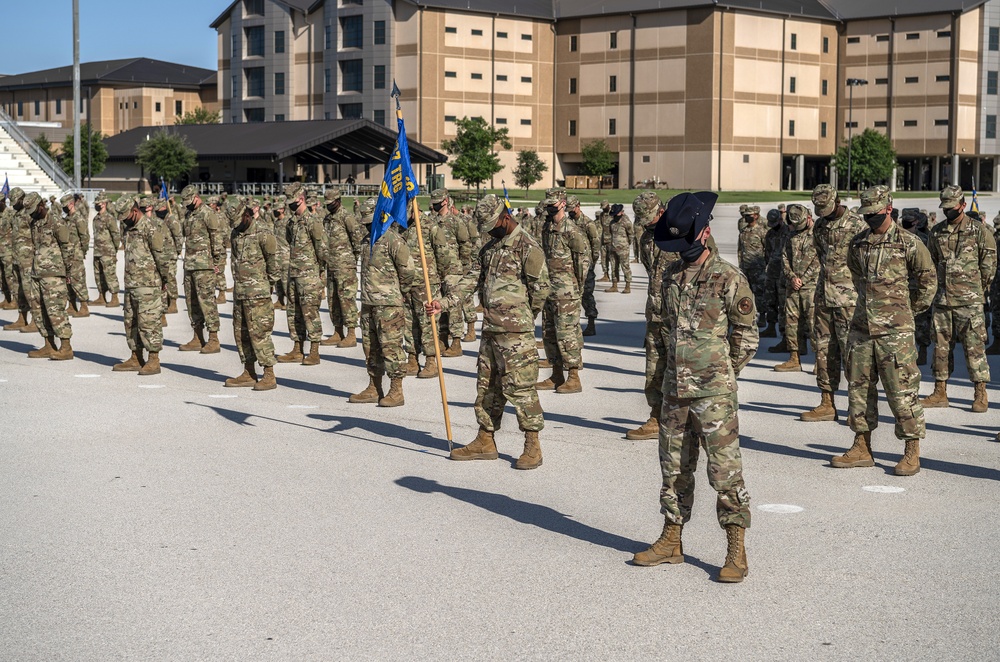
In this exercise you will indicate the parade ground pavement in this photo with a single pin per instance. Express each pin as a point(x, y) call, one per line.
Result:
point(169, 518)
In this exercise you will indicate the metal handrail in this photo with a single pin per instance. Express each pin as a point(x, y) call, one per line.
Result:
point(39, 155)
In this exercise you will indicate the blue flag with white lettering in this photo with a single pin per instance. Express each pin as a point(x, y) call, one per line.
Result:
point(5, 191)
point(399, 187)
point(163, 189)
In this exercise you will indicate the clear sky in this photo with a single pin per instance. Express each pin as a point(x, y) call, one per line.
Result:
point(38, 34)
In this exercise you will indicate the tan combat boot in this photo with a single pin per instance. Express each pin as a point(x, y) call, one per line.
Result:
point(591, 330)
point(98, 301)
point(628, 288)
point(371, 394)
point(531, 458)
point(30, 327)
point(539, 344)
point(735, 568)
point(349, 340)
point(334, 339)
point(313, 357)
point(114, 302)
point(65, 351)
point(152, 366)
point(394, 398)
point(430, 369)
point(412, 366)
point(613, 288)
point(572, 383)
point(667, 548)
point(544, 363)
point(824, 411)
point(131, 364)
point(483, 447)
point(267, 382)
point(83, 310)
point(163, 320)
point(43, 352)
point(221, 298)
point(605, 278)
point(648, 430)
point(552, 383)
point(939, 398)
point(791, 365)
point(859, 455)
point(454, 350)
point(246, 380)
point(212, 346)
point(294, 356)
point(910, 464)
point(980, 405)
point(470, 332)
point(196, 343)
point(17, 324)
point(172, 308)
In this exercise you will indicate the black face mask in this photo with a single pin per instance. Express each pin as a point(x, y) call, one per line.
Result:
point(189, 206)
point(952, 214)
point(161, 213)
point(551, 211)
point(499, 232)
point(437, 206)
point(693, 252)
point(908, 223)
point(875, 221)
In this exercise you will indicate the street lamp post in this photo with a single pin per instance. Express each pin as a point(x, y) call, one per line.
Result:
point(851, 84)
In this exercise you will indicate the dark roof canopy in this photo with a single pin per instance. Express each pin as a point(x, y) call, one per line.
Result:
point(310, 142)
point(304, 6)
point(129, 72)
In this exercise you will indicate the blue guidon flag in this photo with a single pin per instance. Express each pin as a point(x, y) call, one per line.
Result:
point(5, 191)
point(399, 187)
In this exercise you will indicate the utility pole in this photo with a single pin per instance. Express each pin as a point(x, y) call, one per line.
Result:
point(76, 93)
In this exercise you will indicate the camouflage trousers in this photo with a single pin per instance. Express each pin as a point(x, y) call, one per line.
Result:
point(714, 423)
point(561, 333)
point(831, 326)
point(656, 364)
point(507, 372)
point(995, 306)
point(924, 325)
point(382, 330)
point(798, 315)
point(106, 274)
point(341, 297)
point(589, 303)
point(281, 287)
point(774, 295)
point(965, 325)
point(417, 334)
point(199, 291)
point(27, 289)
point(619, 262)
point(49, 314)
point(220, 277)
point(143, 309)
point(757, 278)
point(606, 260)
point(304, 294)
point(171, 282)
point(253, 322)
point(893, 359)
point(77, 275)
point(8, 279)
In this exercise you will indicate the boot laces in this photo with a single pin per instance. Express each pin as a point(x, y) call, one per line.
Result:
point(732, 539)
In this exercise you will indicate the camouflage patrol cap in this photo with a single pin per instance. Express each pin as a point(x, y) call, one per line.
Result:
point(646, 207)
point(952, 197)
point(743, 210)
point(189, 193)
point(124, 206)
point(147, 202)
point(488, 212)
point(874, 200)
point(824, 199)
point(213, 200)
point(605, 204)
point(773, 218)
point(368, 210)
point(31, 202)
point(294, 190)
point(16, 195)
point(753, 210)
point(161, 203)
point(438, 195)
point(540, 208)
point(235, 207)
point(279, 200)
point(798, 216)
point(331, 194)
point(557, 192)
point(781, 206)
point(552, 199)
point(66, 199)
point(572, 201)
point(996, 220)
point(101, 199)
point(312, 201)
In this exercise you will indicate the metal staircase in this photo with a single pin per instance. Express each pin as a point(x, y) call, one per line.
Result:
point(25, 164)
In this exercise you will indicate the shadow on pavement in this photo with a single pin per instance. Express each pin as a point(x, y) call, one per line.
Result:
point(967, 470)
point(100, 359)
point(18, 347)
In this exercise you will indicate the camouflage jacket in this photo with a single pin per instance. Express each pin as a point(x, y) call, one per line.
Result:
point(7, 233)
point(622, 233)
point(800, 260)
point(604, 221)
point(468, 249)
point(655, 261)
point(962, 251)
point(387, 271)
point(567, 256)
point(51, 244)
point(774, 242)
point(307, 245)
point(410, 237)
point(512, 280)
point(255, 262)
point(279, 225)
point(451, 232)
point(107, 236)
point(146, 262)
point(202, 239)
point(833, 242)
point(751, 249)
point(79, 231)
point(709, 321)
point(346, 238)
point(173, 235)
point(588, 227)
point(24, 248)
point(882, 266)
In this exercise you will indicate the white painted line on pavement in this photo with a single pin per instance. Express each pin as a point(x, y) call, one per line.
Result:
point(223, 396)
point(883, 489)
point(303, 407)
point(783, 508)
point(152, 386)
point(87, 376)
point(3, 381)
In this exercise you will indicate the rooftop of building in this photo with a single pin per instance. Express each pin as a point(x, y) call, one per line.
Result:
point(129, 72)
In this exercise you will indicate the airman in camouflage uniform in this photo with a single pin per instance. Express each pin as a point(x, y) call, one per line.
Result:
point(882, 260)
point(202, 247)
point(800, 268)
point(173, 241)
point(513, 283)
point(752, 253)
point(592, 234)
point(604, 222)
point(79, 236)
point(307, 257)
point(774, 288)
point(346, 239)
point(387, 272)
point(107, 239)
point(255, 270)
point(466, 252)
point(833, 231)
point(451, 233)
point(621, 231)
point(965, 255)
point(215, 207)
point(994, 348)
point(8, 281)
point(279, 223)
point(914, 221)
point(567, 256)
point(23, 251)
point(418, 334)
point(709, 321)
point(51, 241)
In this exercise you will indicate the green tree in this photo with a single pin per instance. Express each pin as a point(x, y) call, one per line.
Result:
point(45, 144)
point(872, 159)
point(166, 155)
point(475, 161)
point(199, 115)
point(93, 153)
point(529, 169)
point(598, 160)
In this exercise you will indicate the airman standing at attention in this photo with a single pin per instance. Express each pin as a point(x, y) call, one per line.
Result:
point(215, 203)
point(449, 233)
point(752, 254)
point(418, 336)
point(173, 241)
point(107, 239)
point(604, 221)
point(466, 250)
point(621, 232)
point(800, 268)
point(8, 281)
point(50, 239)
point(202, 247)
point(24, 255)
point(79, 240)
point(774, 298)
point(914, 221)
point(346, 239)
point(994, 348)
point(279, 222)
point(592, 235)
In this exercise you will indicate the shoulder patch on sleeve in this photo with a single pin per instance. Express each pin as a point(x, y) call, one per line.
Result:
point(745, 306)
point(534, 262)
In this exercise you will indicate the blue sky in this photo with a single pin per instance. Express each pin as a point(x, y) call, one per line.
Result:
point(38, 34)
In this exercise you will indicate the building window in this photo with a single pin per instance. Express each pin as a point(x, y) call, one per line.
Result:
point(909, 122)
point(353, 31)
point(38, 108)
point(613, 84)
point(235, 119)
point(991, 127)
point(502, 78)
point(328, 37)
point(572, 127)
point(791, 128)
point(909, 80)
point(881, 37)
point(135, 105)
point(501, 120)
point(944, 34)
point(178, 108)
point(254, 8)
point(351, 76)
point(940, 122)
point(59, 107)
point(379, 76)
point(378, 33)
point(158, 107)
point(991, 82)
point(822, 129)
point(279, 41)
point(854, 40)
point(378, 116)
point(794, 45)
point(327, 79)
point(448, 30)
point(477, 33)
point(255, 41)
point(477, 76)
point(910, 36)
point(944, 78)
point(450, 74)
point(573, 43)
point(572, 86)
point(326, 115)
point(20, 109)
point(525, 79)
point(525, 122)
point(255, 82)
point(235, 44)
point(449, 118)
point(614, 40)
point(825, 87)
point(279, 83)
point(254, 114)
point(525, 37)
point(612, 127)
point(881, 81)
point(279, 117)
point(994, 40)
point(501, 35)
point(351, 111)
point(826, 44)
point(791, 85)
point(850, 125)
point(120, 106)
point(881, 124)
